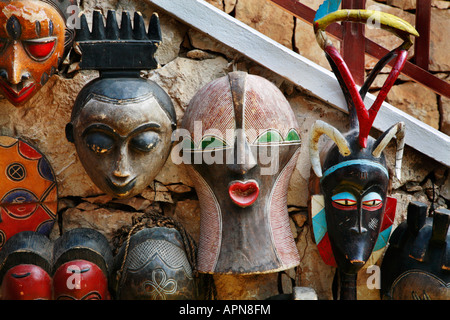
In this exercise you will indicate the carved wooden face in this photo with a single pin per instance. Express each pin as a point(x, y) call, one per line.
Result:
point(80, 280)
point(155, 267)
point(355, 200)
point(122, 144)
point(26, 282)
point(32, 37)
point(241, 160)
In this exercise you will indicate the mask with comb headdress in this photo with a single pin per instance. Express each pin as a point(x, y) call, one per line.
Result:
point(121, 123)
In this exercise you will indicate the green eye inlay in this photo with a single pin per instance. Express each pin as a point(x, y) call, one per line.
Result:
point(212, 142)
point(270, 137)
point(293, 136)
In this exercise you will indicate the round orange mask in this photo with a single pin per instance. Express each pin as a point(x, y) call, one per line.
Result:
point(32, 36)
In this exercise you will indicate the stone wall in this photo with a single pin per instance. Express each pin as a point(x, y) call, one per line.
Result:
point(189, 59)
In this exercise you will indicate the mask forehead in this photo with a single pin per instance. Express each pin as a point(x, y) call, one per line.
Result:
point(123, 116)
point(29, 20)
point(359, 174)
point(80, 280)
point(266, 108)
point(239, 102)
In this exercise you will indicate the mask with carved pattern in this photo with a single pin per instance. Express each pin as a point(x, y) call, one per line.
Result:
point(242, 144)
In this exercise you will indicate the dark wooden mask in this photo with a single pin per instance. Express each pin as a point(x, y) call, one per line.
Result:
point(353, 174)
point(416, 265)
point(355, 196)
point(241, 146)
point(153, 265)
point(121, 124)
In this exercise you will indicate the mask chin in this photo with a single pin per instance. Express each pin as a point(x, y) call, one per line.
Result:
point(351, 260)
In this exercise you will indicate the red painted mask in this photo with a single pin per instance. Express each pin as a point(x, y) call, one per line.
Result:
point(26, 282)
point(80, 280)
point(32, 36)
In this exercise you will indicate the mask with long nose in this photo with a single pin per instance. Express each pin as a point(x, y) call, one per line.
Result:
point(355, 196)
point(352, 217)
point(242, 145)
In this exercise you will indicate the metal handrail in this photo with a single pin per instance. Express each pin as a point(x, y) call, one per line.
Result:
point(417, 71)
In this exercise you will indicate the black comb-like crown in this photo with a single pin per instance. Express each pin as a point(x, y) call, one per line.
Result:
point(114, 48)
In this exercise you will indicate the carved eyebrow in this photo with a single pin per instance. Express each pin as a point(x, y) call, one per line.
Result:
point(145, 127)
point(20, 276)
point(100, 127)
point(103, 127)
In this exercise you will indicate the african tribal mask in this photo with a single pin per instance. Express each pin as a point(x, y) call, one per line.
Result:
point(241, 146)
point(153, 265)
point(28, 190)
point(25, 268)
point(34, 40)
point(416, 265)
point(121, 124)
point(357, 213)
point(82, 263)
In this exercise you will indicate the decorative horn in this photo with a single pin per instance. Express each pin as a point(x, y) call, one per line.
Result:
point(397, 130)
point(328, 14)
point(318, 129)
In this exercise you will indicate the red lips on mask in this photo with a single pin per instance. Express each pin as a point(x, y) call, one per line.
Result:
point(244, 193)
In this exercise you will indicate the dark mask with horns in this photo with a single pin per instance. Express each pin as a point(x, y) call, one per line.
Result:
point(353, 218)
